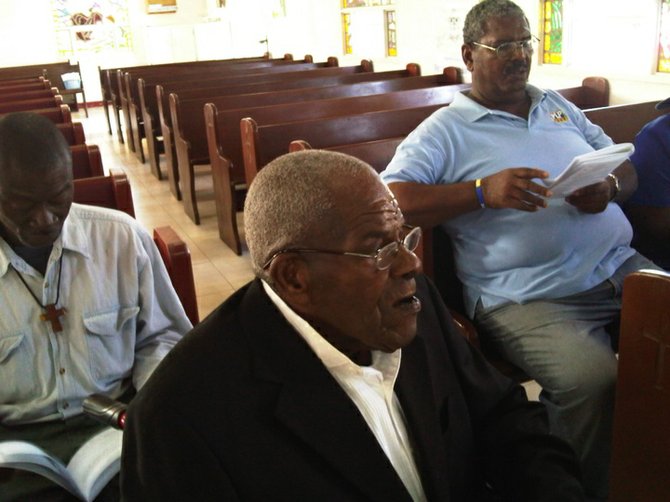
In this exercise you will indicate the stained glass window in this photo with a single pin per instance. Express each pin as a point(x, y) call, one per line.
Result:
point(90, 25)
point(664, 38)
point(346, 33)
point(390, 28)
point(552, 47)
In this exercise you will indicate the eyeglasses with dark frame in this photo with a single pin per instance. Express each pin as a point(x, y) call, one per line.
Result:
point(507, 49)
point(383, 257)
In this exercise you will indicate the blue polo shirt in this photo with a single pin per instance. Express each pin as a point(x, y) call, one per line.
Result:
point(506, 255)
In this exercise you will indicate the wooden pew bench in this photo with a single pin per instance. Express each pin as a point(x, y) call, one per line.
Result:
point(58, 115)
point(593, 93)
point(109, 95)
point(191, 129)
point(31, 92)
point(128, 82)
point(149, 98)
point(53, 72)
point(30, 104)
point(86, 161)
point(263, 143)
point(623, 122)
point(73, 132)
point(265, 96)
point(225, 140)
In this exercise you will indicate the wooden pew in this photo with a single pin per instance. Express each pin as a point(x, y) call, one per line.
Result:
point(58, 115)
point(149, 102)
point(261, 144)
point(19, 82)
point(127, 80)
point(623, 122)
point(29, 94)
point(52, 72)
point(641, 443)
point(30, 104)
point(593, 93)
point(86, 161)
point(225, 141)
point(129, 83)
point(390, 82)
point(73, 132)
point(110, 83)
point(191, 108)
point(114, 192)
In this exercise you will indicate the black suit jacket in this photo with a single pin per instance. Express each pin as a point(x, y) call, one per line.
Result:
point(242, 409)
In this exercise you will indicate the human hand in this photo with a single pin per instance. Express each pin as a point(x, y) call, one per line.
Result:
point(592, 198)
point(513, 188)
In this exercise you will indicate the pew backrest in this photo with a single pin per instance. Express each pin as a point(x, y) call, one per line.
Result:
point(261, 144)
point(623, 122)
point(30, 104)
point(86, 161)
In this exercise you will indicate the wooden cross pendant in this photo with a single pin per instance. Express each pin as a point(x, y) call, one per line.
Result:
point(53, 315)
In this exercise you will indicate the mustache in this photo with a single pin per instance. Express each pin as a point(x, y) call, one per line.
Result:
point(515, 67)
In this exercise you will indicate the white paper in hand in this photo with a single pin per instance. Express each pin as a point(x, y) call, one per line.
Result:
point(589, 168)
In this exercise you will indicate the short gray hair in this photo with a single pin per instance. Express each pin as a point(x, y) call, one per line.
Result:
point(474, 27)
point(291, 203)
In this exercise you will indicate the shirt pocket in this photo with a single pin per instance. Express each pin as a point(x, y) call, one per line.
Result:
point(16, 366)
point(111, 344)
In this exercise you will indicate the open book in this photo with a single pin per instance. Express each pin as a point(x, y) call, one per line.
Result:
point(589, 168)
point(96, 462)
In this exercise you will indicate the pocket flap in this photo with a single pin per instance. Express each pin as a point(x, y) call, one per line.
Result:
point(109, 323)
point(9, 344)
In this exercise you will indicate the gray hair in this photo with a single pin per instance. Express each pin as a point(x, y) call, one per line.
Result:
point(32, 143)
point(291, 204)
point(474, 27)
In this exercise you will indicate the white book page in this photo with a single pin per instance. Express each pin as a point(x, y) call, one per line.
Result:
point(97, 462)
point(90, 469)
point(589, 168)
point(26, 456)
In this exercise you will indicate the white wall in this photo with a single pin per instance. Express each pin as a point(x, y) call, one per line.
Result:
point(620, 47)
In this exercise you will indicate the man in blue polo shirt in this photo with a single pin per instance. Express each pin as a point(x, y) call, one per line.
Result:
point(648, 209)
point(542, 277)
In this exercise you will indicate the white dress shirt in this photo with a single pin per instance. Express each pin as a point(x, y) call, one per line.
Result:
point(122, 317)
point(371, 390)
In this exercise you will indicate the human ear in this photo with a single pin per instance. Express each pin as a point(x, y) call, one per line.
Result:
point(466, 54)
point(291, 278)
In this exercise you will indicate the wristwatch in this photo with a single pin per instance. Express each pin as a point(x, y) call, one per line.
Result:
point(617, 185)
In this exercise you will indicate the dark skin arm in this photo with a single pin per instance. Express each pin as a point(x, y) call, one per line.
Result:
point(429, 205)
point(594, 198)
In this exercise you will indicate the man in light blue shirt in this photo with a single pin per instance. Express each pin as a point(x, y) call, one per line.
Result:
point(86, 305)
point(542, 277)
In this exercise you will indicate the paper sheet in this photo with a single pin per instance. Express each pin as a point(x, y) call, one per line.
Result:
point(589, 168)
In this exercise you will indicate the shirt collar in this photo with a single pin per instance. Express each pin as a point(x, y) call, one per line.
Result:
point(72, 238)
point(473, 111)
point(334, 360)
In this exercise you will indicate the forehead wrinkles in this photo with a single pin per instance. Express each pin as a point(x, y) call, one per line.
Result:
point(379, 213)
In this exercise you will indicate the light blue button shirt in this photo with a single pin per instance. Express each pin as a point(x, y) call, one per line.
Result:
point(506, 255)
point(122, 317)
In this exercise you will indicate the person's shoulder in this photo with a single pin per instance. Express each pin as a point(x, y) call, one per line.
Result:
point(85, 212)
point(215, 350)
point(106, 219)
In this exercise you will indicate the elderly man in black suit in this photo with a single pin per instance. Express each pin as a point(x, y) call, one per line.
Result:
point(337, 374)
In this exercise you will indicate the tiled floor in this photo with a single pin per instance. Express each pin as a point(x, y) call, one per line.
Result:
point(217, 270)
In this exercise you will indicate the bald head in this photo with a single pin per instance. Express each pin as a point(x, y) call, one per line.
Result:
point(36, 187)
point(297, 201)
point(31, 144)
